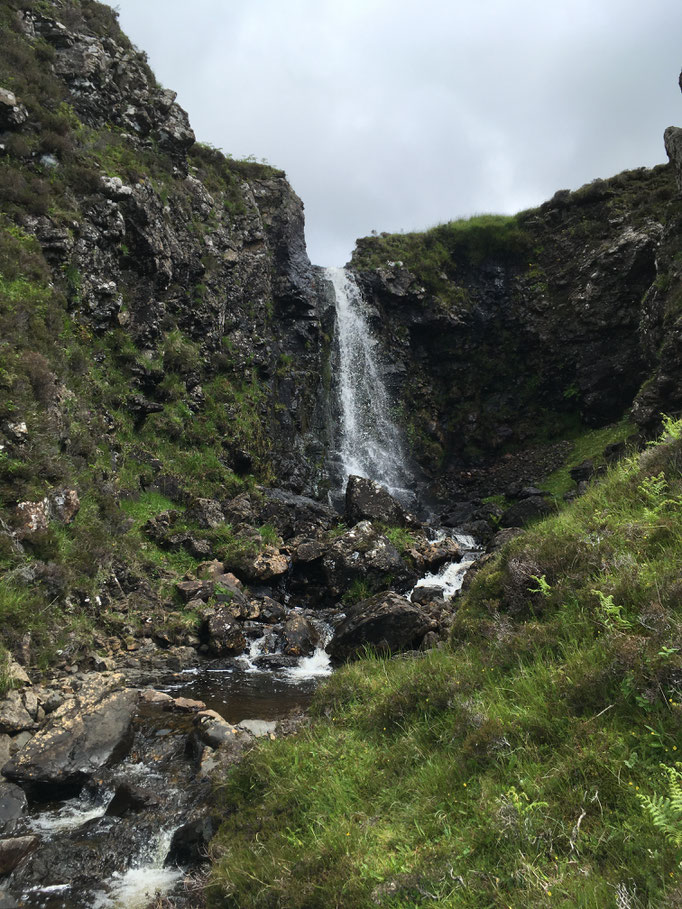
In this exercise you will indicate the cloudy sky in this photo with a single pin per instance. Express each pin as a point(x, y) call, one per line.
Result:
point(398, 114)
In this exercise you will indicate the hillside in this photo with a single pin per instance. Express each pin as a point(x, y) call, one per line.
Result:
point(171, 507)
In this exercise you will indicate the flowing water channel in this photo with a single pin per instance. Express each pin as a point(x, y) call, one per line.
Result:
point(368, 443)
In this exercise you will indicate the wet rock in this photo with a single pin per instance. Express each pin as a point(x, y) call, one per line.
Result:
point(299, 637)
point(189, 845)
point(14, 849)
point(12, 805)
point(270, 610)
point(184, 705)
point(225, 636)
point(128, 799)
point(86, 733)
point(194, 590)
point(14, 717)
point(386, 621)
point(270, 661)
point(154, 698)
point(259, 728)
point(213, 730)
point(368, 500)
point(430, 556)
point(423, 595)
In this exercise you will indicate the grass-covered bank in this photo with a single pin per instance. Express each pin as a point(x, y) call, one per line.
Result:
point(533, 763)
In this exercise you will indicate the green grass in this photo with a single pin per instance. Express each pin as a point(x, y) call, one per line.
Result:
point(589, 444)
point(509, 768)
point(436, 256)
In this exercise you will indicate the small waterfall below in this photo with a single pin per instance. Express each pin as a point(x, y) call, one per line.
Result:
point(367, 441)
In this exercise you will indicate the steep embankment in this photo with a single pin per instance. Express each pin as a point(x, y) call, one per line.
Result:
point(509, 332)
point(159, 325)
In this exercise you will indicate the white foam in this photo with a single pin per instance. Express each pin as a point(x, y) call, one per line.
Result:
point(449, 579)
point(69, 816)
point(136, 887)
point(313, 667)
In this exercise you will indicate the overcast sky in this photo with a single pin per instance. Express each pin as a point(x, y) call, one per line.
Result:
point(399, 114)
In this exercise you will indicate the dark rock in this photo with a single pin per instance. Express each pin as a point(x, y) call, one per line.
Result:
point(85, 734)
point(12, 113)
point(386, 621)
point(189, 845)
point(12, 805)
point(525, 510)
point(272, 661)
point(225, 636)
point(423, 595)
point(207, 513)
point(294, 515)
point(299, 636)
point(582, 472)
point(368, 500)
point(213, 730)
point(364, 555)
point(502, 537)
point(13, 850)
point(270, 610)
point(128, 799)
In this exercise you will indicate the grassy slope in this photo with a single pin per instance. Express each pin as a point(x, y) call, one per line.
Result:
point(71, 385)
point(509, 769)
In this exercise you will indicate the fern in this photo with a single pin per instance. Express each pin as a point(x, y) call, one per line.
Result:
point(665, 811)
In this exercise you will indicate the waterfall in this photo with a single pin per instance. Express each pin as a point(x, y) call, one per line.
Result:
point(368, 443)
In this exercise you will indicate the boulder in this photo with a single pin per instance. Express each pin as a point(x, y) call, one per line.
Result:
point(63, 504)
point(386, 621)
point(31, 518)
point(127, 799)
point(14, 717)
point(14, 849)
point(299, 636)
point(430, 556)
point(225, 636)
point(12, 113)
point(213, 730)
point(368, 500)
point(525, 510)
point(364, 555)
point(86, 733)
point(12, 806)
point(207, 513)
point(293, 514)
point(264, 565)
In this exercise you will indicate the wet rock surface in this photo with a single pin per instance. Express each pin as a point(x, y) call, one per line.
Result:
point(386, 621)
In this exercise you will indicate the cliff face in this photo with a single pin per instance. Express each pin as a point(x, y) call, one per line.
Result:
point(509, 330)
point(147, 242)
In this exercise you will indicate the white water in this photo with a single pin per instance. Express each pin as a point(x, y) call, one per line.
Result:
point(369, 444)
point(70, 815)
point(451, 576)
point(135, 888)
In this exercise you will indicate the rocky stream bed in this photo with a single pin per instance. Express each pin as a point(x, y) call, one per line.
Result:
point(108, 769)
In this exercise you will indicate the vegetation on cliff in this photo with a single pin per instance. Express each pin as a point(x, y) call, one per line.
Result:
point(532, 762)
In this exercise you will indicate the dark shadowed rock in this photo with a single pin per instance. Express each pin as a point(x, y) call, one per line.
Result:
point(13, 850)
point(189, 845)
point(12, 806)
point(386, 621)
point(525, 510)
point(299, 636)
point(225, 636)
point(128, 799)
point(368, 500)
point(87, 733)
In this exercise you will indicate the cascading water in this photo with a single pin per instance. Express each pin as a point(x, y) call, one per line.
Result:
point(368, 443)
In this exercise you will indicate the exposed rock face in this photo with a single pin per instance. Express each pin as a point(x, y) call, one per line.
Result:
point(386, 621)
point(82, 736)
point(490, 346)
